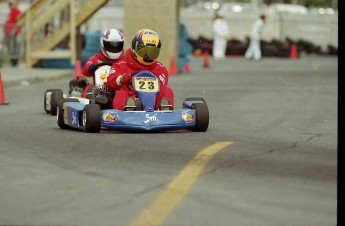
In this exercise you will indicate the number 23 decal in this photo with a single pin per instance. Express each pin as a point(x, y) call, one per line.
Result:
point(147, 85)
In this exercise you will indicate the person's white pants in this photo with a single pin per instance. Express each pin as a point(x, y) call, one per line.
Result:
point(219, 48)
point(253, 51)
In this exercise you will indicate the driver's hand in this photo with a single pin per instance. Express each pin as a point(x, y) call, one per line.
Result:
point(92, 68)
point(126, 78)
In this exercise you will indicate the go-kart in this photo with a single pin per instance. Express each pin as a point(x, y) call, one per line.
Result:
point(193, 115)
point(79, 89)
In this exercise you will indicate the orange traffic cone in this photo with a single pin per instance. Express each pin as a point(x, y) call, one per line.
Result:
point(172, 68)
point(77, 70)
point(293, 52)
point(2, 95)
point(206, 59)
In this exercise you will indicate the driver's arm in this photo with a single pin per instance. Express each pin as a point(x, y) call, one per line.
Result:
point(114, 77)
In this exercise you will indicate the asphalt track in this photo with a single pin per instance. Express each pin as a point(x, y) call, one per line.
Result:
point(269, 156)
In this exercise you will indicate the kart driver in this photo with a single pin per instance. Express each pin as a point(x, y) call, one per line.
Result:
point(111, 41)
point(142, 55)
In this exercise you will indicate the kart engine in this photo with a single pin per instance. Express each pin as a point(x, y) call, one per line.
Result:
point(102, 90)
point(77, 86)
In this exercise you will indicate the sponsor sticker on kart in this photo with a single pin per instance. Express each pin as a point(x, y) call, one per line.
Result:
point(65, 113)
point(103, 76)
point(110, 116)
point(151, 118)
point(188, 116)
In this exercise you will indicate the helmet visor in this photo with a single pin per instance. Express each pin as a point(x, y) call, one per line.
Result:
point(113, 47)
point(148, 53)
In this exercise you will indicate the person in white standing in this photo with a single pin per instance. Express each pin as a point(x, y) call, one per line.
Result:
point(254, 51)
point(221, 35)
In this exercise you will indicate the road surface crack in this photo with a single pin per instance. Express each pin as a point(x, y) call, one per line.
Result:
point(248, 157)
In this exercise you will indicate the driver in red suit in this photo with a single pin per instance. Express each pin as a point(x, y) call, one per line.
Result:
point(111, 42)
point(142, 55)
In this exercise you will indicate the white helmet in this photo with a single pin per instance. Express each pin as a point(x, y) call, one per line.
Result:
point(112, 41)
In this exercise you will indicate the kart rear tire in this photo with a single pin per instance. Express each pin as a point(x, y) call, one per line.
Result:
point(55, 97)
point(60, 112)
point(45, 100)
point(91, 118)
point(202, 117)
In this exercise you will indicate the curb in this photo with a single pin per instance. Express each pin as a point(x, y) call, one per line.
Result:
point(37, 79)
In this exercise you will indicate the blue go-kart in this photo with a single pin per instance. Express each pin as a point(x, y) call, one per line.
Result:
point(193, 115)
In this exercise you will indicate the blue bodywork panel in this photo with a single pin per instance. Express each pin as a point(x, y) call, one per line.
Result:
point(133, 120)
point(72, 114)
point(148, 121)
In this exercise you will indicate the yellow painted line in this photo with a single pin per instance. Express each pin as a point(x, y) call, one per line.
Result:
point(161, 207)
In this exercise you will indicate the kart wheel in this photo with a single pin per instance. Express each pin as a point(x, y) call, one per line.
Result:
point(193, 99)
point(55, 97)
point(61, 111)
point(91, 118)
point(202, 117)
point(47, 100)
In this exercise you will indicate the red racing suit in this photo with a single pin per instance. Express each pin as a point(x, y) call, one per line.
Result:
point(130, 65)
point(97, 59)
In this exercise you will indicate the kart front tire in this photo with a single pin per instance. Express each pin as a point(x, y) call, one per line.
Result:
point(45, 100)
point(202, 117)
point(193, 99)
point(55, 97)
point(91, 118)
point(61, 111)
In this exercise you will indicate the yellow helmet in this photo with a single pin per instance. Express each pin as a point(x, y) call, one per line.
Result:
point(146, 46)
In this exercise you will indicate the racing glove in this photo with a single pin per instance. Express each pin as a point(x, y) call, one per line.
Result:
point(92, 68)
point(126, 78)
point(123, 79)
